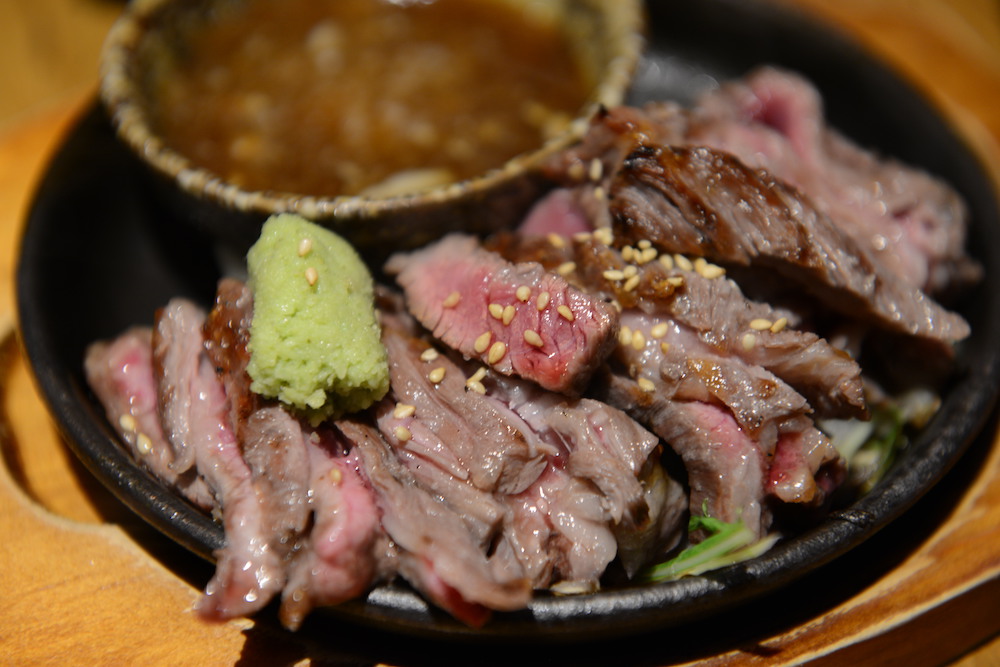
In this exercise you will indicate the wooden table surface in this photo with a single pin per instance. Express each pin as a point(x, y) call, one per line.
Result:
point(85, 582)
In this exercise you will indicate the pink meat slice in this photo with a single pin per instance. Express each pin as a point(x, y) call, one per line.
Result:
point(437, 553)
point(339, 561)
point(120, 372)
point(459, 291)
point(911, 220)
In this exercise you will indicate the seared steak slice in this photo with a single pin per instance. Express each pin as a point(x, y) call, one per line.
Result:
point(730, 471)
point(677, 369)
point(686, 382)
point(465, 434)
point(562, 530)
point(345, 551)
point(680, 367)
point(727, 471)
point(911, 221)
point(120, 372)
point(520, 319)
point(248, 572)
point(705, 203)
point(274, 446)
point(437, 553)
point(588, 438)
point(594, 493)
point(178, 347)
point(459, 444)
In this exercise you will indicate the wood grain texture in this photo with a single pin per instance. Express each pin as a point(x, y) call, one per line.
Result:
point(88, 583)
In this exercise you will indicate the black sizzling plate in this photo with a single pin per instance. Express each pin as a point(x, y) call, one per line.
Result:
point(98, 256)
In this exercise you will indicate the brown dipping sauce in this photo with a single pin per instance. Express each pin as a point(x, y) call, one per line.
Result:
point(332, 97)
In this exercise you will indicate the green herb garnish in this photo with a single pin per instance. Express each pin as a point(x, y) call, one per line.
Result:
point(727, 543)
point(871, 447)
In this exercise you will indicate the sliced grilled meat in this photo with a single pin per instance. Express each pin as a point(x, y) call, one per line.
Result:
point(520, 319)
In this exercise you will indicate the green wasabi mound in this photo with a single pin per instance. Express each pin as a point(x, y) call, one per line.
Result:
point(315, 342)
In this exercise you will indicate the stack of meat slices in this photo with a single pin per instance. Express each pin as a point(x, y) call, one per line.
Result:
point(698, 288)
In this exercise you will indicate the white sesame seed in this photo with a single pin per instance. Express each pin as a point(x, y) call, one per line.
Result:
point(664, 347)
point(482, 342)
point(566, 313)
point(645, 244)
point(628, 253)
point(531, 337)
point(647, 255)
point(475, 386)
point(451, 300)
point(577, 171)
point(604, 235)
point(436, 375)
point(581, 237)
point(523, 293)
point(675, 281)
point(430, 354)
point(127, 422)
point(683, 263)
point(779, 325)
point(335, 475)
point(566, 268)
point(613, 275)
point(543, 300)
point(667, 261)
point(144, 444)
point(478, 375)
point(496, 353)
point(659, 330)
point(312, 275)
point(761, 324)
point(402, 433)
point(630, 270)
point(749, 341)
point(556, 241)
point(599, 194)
point(638, 340)
point(713, 271)
point(631, 283)
point(508, 315)
point(625, 335)
point(305, 246)
point(596, 169)
point(708, 270)
point(403, 410)
point(646, 385)
point(496, 310)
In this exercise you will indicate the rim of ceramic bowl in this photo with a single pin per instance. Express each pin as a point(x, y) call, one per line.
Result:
point(622, 27)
